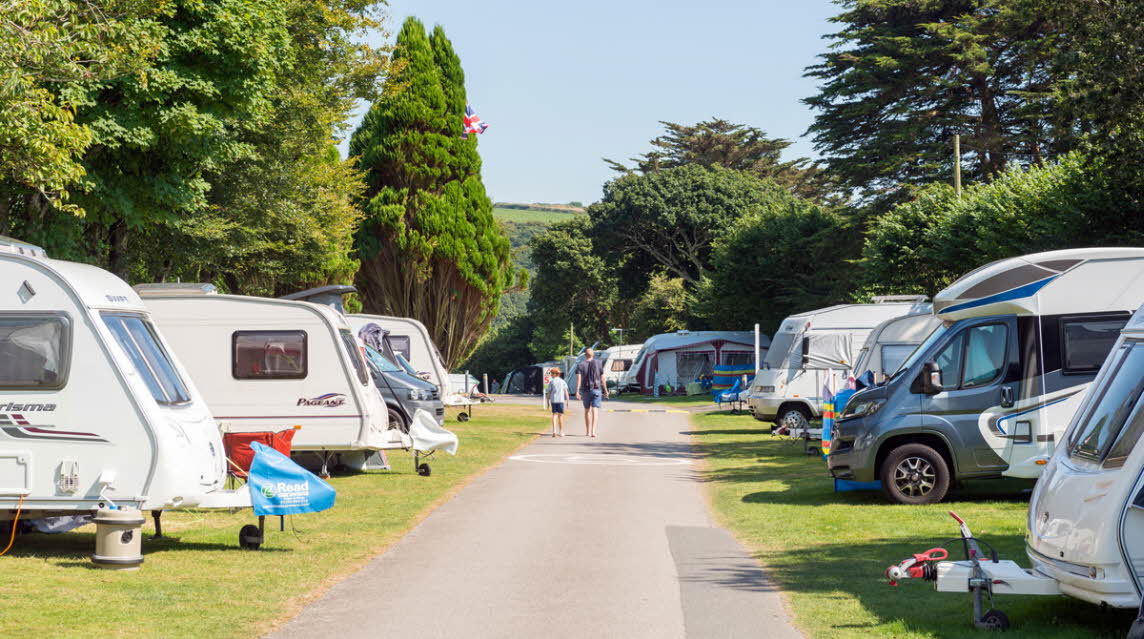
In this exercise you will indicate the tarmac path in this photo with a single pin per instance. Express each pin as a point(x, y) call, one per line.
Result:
point(571, 537)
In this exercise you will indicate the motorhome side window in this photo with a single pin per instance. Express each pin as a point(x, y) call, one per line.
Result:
point(356, 355)
point(268, 354)
point(1108, 414)
point(139, 341)
point(1087, 342)
point(34, 351)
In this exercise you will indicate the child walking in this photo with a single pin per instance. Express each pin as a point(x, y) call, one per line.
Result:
point(557, 398)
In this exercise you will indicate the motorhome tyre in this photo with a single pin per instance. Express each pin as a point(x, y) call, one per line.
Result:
point(795, 417)
point(424, 470)
point(250, 537)
point(397, 420)
point(915, 474)
point(994, 619)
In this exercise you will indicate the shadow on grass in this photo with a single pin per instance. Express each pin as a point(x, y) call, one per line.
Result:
point(80, 546)
point(856, 570)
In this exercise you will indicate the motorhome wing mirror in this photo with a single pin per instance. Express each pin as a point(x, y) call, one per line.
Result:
point(805, 351)
point(931, 382)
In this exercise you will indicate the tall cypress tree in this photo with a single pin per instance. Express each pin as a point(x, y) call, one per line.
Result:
point(429, 246)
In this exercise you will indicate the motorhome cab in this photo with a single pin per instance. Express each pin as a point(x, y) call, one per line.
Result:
point(272, 364)
point(990, 390)
point(813, 349)
point(94, 408)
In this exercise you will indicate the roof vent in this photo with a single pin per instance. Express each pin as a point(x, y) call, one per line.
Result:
point(16, 247)
point(174, 289)
point(326, 295)
point(889, 299)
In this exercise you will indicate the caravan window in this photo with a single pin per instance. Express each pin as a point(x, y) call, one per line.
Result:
point(34, 351)
point(619, 365)
point(139, 341)
point(893, 355)
point(1087, 342)
point(400, 344)
point(268, 354)
point(1100, 426)
point(355, 354)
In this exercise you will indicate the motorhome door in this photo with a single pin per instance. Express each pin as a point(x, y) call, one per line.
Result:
point(975, 377)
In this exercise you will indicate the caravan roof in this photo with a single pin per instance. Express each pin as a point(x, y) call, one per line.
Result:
point(1047, 283)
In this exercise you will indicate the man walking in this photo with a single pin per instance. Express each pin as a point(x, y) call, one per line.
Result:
point(591, 389)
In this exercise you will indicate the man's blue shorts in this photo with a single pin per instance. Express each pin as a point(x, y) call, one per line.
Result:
point(557, 407)
point(592, 398)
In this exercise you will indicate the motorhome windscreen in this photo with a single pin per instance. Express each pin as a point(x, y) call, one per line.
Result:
point(269, 354)
point(355, 355)
point(138, 339)
point(1103, 422)
point(34, 351)
point(778, 350)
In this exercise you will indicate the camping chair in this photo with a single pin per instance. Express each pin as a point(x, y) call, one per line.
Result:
point(727, 385)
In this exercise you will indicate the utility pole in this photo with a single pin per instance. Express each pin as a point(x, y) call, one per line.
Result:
point(621, 332)
point(570, 336)
point(957, 163)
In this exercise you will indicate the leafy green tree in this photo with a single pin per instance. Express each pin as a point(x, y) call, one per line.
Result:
point(717, 142)
point(669, 218)
point(429, 246)
point(784, 258)
point(903, 76)
point(665, 307)
point(503, 349)
point(51, 52)
point(922, 246)
point(573, 285)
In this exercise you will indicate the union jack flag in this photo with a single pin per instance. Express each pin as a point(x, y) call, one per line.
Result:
point(473, 123)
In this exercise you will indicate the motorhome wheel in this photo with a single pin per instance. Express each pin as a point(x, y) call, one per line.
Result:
point(462, 417)
point(796, 419)
point(994, 620)
point(424, 470)
point(397, 420)
point(915, 474)
point(250, 537)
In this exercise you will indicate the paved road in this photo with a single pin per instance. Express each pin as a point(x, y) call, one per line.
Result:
point(572, 537)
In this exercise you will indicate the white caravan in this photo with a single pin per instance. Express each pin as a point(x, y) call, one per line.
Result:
point(1085, 534)
point(891, 342)
point(678, 358)
point(617, 361)
point(95, 410)
point(272, 364)
point(410, 339)
point(813, 349)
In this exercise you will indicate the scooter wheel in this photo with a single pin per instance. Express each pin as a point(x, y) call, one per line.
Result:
point(994, 620)
point(424, 470)
point(249, 537)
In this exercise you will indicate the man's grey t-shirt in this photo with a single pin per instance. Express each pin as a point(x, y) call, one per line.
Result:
point(590, 374)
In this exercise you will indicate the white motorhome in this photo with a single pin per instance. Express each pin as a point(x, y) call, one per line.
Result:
point(271, 364)
point(989, 392)
point(95, 409)
point(813, 349)
point(1085, 522)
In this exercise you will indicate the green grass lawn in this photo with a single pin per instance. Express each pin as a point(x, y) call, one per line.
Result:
point(524, 216)
point(198, 583)
point(828, 551)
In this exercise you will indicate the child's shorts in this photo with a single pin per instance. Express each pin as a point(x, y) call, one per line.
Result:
point(558, 407)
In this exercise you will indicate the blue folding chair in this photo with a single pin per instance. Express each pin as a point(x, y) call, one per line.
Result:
point(727, 385)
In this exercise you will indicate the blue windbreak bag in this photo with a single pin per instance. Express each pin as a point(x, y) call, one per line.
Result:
point(278, 486)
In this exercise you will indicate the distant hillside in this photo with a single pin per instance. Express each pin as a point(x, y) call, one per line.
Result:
point(571, 207)
point(521, 224)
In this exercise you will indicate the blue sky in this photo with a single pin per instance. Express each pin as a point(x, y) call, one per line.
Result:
point(564, 85)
